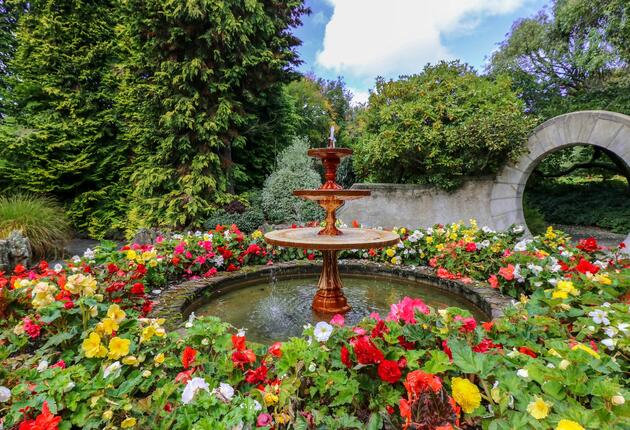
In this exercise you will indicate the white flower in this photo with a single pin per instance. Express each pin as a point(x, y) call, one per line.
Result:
point(225, 392)
point(177, 236)
point(400, 245)
point(523, 373)
point(112, 368)
point(322, 331)
point(599, 317)
point(564, 364)
point(5, 394)
point(57, 267)
point(312, 367)
point(429, 231)
point(606, 304)
point(205, 341)
point(43, 365)
point(194, 385)
point(602, 264)
point(610, 343)
point(487, 229)
point(227, 234)
point(522, 245)
point(198, 233)
point(89, 254)
point(241, 332)
point(624, 327)
point(484, 243)
point(535, 269)
point(618, 400)
point(257, 405)
point(69, 386)
point(610, 331)
point(156, 292)
point(76, 259)
point(517, 274)
point(191, 319)
point(218, 260)
point(551, 365)
point(518, 229)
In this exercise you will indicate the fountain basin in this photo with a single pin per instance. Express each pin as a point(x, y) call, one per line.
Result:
point(351, 238)
point(180, 300)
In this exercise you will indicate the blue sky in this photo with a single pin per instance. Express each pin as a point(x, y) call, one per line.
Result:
point(362, 39)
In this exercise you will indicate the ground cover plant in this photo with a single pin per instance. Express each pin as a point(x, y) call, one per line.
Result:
point(79, 347)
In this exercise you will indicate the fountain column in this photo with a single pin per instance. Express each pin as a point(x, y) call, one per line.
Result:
point(329, 297)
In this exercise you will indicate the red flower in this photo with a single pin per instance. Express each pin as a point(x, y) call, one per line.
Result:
point(406, 344)
point(241, 358)
point(390, 410)
point(507, 272)
point(137, 288)
point(379, 329)
point(485, 345)
point(468, 324)
point(487, 326)
point(44, 421)
point(238, 342)
point(389, 371)
point(447, 350)
point(168, 407)
point(175, 261)
point(355, 223)
point(275, 349)
point(585, 267)
point(32, 328)
point(527, 351)
point(231, 268)
point(147, 307)
point(60, 364)
point(254, 376)
point(188, 356)
point(311, 256)
point(419, 381)
point(471, 247)
point(405, 410)
point(68, 305)
point(493, 281)
point(366, 351)
point(588, 245)
point(184, 376)
point(345, 357)
point(19, 269)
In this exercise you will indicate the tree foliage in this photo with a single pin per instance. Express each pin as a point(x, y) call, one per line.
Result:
point(573, 57)
point(439, 126)
point(200, 73)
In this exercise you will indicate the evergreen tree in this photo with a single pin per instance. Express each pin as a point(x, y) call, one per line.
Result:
point(59, 136)
point(200, 72)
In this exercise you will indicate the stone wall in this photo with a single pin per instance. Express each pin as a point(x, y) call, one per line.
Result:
point(412, 206)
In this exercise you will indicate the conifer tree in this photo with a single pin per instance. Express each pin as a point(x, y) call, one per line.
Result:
point(201, 77)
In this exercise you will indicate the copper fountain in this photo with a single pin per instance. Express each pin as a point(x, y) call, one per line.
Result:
point(329, 298)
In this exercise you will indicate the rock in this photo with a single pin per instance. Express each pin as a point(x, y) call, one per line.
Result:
point(146, 236)
point(14, 250)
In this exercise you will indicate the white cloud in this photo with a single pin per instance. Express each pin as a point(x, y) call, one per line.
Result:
point(390, 37)
point(359, 96)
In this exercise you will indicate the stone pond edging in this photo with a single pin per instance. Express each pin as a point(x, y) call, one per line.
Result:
point(174, 302)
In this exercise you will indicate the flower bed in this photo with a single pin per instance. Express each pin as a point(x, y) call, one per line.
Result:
point(79, 347)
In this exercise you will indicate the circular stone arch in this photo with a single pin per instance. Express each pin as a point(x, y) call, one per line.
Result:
point(608, 130)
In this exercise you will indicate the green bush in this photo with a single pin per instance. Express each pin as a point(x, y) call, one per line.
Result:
point(440, 126)
point(295, 171)
point(38, 218)
point(247, 221)
point(534, 219)
point(604, 204)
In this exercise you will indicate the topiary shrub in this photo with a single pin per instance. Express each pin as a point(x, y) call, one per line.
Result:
point(295, 171)
point(40, 219)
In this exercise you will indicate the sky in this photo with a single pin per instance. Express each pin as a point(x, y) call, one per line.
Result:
point(362, 39)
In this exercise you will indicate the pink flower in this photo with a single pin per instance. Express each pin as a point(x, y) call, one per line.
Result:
point(338, 320)
point(471, 247)
point(179, 249)
point(468, 324)
point(493, 281)
point(375, 316)
point(405, 310)
point(507, 272)
point(359, 330)
point(263, 420)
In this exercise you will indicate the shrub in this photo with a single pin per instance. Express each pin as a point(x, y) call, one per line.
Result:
point(295, 171)
point(39, 218)
point(534, 218)
point(440, 126)
point(247, 221)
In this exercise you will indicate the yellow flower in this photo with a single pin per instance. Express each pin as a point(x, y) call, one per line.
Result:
point(118, 347)
point(107, 326)
point(559, 294)
point(550, 234)
point(147, 333)
point(602, 279)
point(568, 425)
point(114, 312)
point(554, 353)
point(270, 399)
point(586, 349)
point(453, 236)
point(390, 252)
point(159, 359)
point(257, 234)
point(107, 415)
point(466, 394)
point(128, 423)
point(130, 360)
point(92, 346)
point(539, 409)
point(429, 239)
point(439, 247)
point(43, 295)
point(81, 284)
point(567, 286)
point(153, 263)
point(131, 254)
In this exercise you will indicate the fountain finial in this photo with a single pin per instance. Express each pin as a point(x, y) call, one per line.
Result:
point(331, 138)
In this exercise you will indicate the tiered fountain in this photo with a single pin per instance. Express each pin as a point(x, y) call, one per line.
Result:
point(329, 298)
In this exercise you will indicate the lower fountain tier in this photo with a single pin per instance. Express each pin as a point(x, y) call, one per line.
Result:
point(350, 238)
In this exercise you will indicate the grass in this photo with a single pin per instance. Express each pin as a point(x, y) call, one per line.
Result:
point(40, 219)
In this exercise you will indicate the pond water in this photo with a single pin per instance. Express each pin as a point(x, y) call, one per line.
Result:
point(275, 310)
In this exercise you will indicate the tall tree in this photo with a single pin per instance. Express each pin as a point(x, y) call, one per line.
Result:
point(59, 136)
point(199, 73)
point(8, 24)
point(573, 57)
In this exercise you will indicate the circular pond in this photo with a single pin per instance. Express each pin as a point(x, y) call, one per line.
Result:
point(275, 309)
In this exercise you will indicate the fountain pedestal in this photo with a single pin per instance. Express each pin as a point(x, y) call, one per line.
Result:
point(329, 298)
